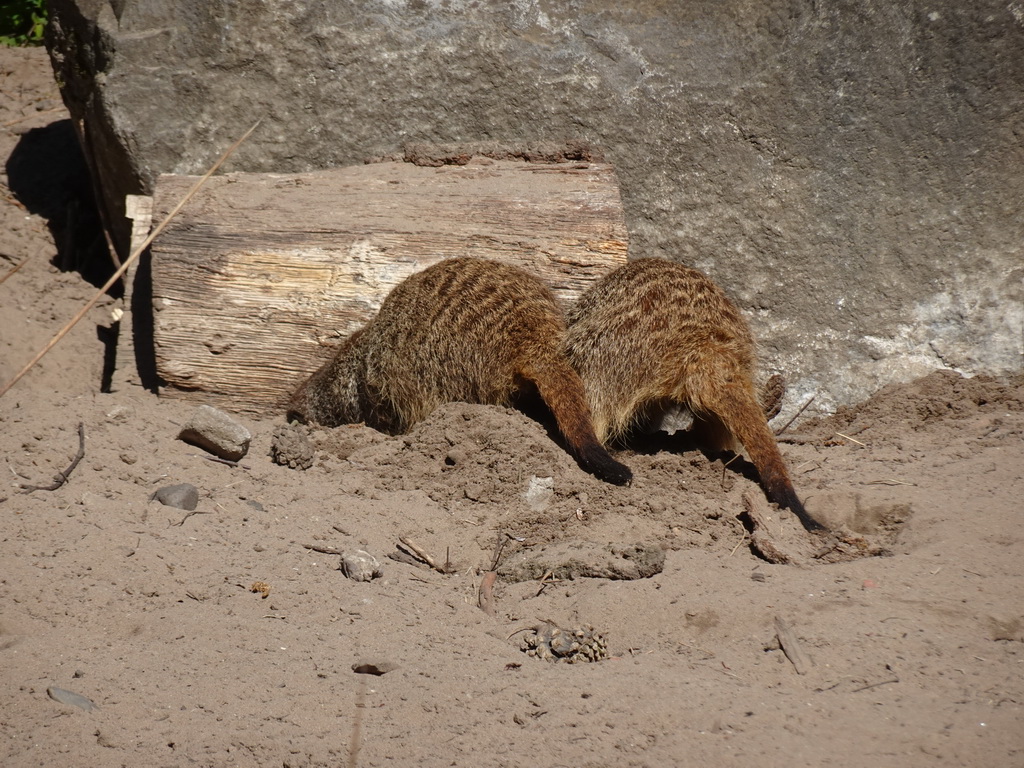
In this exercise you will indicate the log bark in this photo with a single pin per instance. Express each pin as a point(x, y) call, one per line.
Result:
point(262, 275)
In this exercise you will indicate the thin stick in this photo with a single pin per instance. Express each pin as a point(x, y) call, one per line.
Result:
point(21, 264)
point(127, 262)
point(725, 466)
point(738, 544)
point(858, 442)
point(22, 119)
point(62, 478)
point(892, 679)
point(322, 550)
point(186, 517)
point(503, 539)
point(523, 629)
point(485, 593)
point(546, 580)
point(705, 651)
point(418, 553)
point(796, 416)
point(220, 460)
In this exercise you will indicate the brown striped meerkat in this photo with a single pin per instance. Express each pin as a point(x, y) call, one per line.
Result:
point(654, 336)
point(464, 329)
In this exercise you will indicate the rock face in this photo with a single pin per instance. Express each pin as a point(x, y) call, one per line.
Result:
point(850, 172)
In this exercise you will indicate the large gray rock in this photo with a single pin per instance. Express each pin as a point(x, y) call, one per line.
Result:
point(852, 172)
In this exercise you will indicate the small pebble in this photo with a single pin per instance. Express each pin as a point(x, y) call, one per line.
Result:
point(71, 698)
point(182, 495)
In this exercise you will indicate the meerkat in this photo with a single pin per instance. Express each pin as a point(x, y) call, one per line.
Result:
point(654, 336)
point(464, 329)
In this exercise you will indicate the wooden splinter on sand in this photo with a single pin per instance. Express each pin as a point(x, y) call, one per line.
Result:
point(257, 281)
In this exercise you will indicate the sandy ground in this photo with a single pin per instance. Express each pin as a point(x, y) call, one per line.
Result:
point(911, 624)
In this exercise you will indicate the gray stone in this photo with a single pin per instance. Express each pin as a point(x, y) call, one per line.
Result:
point(71, 698)
point(214, 431)
point(849, 172)
point(360, 566)
point(181, 495)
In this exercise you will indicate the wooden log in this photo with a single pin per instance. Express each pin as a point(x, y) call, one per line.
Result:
point(260, 277)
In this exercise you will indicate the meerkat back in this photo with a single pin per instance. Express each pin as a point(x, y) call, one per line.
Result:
point(466, 330)
point(654, 334)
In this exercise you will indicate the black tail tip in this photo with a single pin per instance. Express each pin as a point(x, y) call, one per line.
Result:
point(604, 467)
point(617, 474)
point(788, 499)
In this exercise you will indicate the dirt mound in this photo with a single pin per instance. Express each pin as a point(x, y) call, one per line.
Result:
point(502, 470)
point(938, 396)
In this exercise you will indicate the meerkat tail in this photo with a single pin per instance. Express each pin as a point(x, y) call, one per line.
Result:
point(561, 388)
point(745, 419)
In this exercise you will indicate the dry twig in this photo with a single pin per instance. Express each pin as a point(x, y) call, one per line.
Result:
point(545, 581)
point(411, 548)
point(887, 681)
point(738, 544)
point(23, 118)
point(858, 442)
point(186, 517)
point(485, 594)
point(20, 264)
point(62, 477)
point(796, 416)
point(220, 460)
point(725, 466)
point(322, 550)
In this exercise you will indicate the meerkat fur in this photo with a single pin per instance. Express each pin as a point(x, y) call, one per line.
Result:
point(464, 329)
point(655, 335)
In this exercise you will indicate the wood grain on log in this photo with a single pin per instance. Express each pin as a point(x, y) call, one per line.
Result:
point(259, 278)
